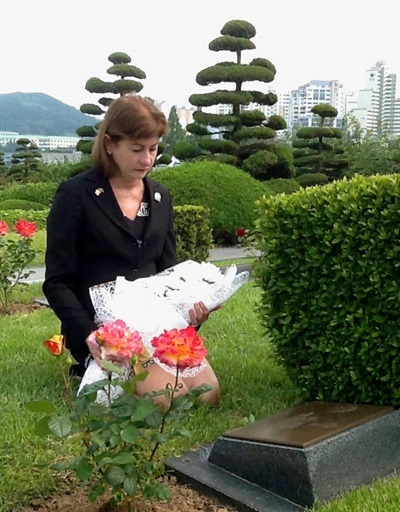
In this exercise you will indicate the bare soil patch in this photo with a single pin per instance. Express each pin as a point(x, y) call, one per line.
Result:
point(184, 498)
point(19, 308)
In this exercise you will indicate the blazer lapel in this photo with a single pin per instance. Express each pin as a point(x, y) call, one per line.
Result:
point(156, 206)
point(100, 191)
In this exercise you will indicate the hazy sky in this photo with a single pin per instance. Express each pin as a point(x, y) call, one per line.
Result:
point(55, 47)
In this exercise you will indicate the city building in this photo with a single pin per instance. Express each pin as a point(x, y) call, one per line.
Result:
point(43, 142)
point(316, 92)
point(378, 109)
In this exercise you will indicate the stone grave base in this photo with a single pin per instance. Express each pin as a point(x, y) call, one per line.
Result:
point(307, 454)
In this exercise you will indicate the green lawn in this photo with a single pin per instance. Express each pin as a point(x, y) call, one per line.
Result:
point(253, 384)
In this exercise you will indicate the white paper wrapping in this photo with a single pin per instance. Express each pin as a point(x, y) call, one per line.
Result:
point(161, 302)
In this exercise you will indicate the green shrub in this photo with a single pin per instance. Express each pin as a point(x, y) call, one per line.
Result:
point(37, 192)
point(312, 178)
point(193, 233)
point(20, 204)
point(330, 276)
point(283, 186)
point(77, 168)
point(227, 192)
point(37, 216)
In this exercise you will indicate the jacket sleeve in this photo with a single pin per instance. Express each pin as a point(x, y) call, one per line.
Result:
point(62, 274)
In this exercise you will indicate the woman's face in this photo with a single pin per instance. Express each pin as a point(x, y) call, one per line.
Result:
point(135, 158)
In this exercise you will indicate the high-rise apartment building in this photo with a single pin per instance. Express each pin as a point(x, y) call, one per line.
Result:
point(378, 110)
point(305, 97)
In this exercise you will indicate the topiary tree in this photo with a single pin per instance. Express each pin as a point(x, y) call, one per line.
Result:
point(124, 84)
point(25, 161)
point(240, 137)
point(313, 154)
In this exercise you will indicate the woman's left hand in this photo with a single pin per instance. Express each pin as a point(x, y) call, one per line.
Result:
point(199, 313)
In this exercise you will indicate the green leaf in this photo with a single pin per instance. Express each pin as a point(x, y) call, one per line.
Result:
point(89, 389)
point(83, 469)
point(200, 390)
point(159, 491)
point(115, 428)
point(114, 441)
point(130, 434)
point(92, 449)
point(60, 426)
point(124, 406)
point(103, 461)
point(123, 458)
point(82, 405)
point(98, 439)
point(43, 406)
point(130, 486)
point(114, 475)
point(42, 427)
point(111, 367)
point(143, 409)
point(155, 419)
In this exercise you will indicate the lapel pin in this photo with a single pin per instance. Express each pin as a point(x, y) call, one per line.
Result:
point(98, 191)
point(157, 197)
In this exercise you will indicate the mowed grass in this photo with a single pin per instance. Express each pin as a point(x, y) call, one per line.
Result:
point(253, 385)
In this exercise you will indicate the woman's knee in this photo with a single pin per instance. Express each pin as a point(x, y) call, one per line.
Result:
point(212, 397)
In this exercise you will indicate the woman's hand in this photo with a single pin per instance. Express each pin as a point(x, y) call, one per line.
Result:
point(97, 354)
point(200, 313)
point(94, 347)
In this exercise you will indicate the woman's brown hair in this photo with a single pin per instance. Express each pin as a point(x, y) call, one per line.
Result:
point(127, 117)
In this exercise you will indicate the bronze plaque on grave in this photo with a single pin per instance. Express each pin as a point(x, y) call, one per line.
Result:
point(308, 424)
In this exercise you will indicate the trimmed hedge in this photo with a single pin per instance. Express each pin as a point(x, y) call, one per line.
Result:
point(193, 233)
point(227, 192)
point(20, 204)
point(330, 278)
point(37, 192)
point(312, 179)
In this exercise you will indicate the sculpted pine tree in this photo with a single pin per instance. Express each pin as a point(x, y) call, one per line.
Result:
point(239, 136)
point(124, 84)
point(315, 149)
point(26, 160)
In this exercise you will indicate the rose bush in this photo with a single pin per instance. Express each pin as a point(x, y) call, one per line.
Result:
point(15, 256)
point(248, 239)
point(121, 439)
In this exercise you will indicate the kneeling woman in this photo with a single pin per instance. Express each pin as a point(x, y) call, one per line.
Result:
point(110, 221)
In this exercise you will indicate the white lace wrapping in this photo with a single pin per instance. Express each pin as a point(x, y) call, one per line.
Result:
point(161, 302)
point(95, 373)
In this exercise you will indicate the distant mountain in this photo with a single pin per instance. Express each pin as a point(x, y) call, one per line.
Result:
point(39, 114)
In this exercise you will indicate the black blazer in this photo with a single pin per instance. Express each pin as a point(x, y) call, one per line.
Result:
point(89, 242)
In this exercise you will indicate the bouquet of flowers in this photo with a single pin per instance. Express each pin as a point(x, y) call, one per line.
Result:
point(160, 304)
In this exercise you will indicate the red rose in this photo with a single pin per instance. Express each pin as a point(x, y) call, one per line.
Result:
point(3, 228)
point(182, 348)
point(241, 232)
point(25, 229)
